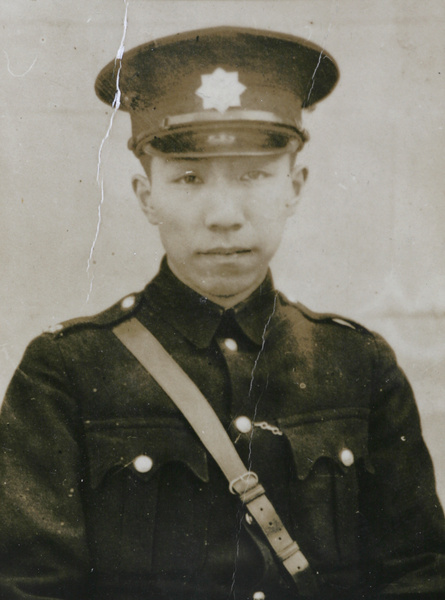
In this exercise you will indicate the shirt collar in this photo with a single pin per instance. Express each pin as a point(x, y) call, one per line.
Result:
point(197, 318)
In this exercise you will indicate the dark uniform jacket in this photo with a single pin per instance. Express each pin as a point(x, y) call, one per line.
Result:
point(336, 443)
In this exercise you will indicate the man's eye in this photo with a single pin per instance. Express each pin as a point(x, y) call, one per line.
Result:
point(254, 176)
point(188, 178)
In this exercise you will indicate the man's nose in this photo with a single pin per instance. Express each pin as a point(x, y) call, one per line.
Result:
point(224, 209)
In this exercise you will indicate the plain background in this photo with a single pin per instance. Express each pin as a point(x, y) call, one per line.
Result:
point(367, 240)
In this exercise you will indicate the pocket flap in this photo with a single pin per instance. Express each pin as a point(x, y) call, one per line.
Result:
point(341, 436)
point(143, 449)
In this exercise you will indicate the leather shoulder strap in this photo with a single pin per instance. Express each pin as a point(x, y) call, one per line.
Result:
point(198, 412)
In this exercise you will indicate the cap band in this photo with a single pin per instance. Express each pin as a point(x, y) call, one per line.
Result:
point(232, 115)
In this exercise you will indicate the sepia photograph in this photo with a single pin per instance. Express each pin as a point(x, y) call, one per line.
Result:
point(222, 239)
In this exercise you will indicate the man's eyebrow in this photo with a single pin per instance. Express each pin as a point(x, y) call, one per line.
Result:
point(179, 159)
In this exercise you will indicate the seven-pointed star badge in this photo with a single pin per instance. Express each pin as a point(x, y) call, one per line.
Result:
point(220, 90)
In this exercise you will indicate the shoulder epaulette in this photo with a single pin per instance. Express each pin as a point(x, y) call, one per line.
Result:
point(122, 309)
point(330, 317)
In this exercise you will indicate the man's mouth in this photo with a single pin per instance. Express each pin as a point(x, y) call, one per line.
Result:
point(224, 251)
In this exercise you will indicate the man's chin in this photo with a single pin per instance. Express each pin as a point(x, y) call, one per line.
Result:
point(223, 282)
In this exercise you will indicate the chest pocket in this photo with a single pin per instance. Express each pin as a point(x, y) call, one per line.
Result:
point(145, 502)
point(330, 452)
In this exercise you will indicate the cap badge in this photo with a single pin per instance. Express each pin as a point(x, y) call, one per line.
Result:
point(221, 90)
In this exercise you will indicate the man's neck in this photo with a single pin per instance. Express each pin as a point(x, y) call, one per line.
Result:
point(230, 301)
point(225, 301)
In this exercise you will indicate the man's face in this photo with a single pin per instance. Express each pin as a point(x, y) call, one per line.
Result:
point(220, 219)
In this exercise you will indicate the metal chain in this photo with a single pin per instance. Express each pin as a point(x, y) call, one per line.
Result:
point(265, 425)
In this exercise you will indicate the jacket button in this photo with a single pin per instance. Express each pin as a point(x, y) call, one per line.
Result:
point(259, 596)
point(346, 457)
point(230, 344)
point(143, 463)
point(243, 424)
point(128, 302)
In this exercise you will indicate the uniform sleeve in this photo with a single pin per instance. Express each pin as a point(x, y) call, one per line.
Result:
point(399, 501)
point(43, 552)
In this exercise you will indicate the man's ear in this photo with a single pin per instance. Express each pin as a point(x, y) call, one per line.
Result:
point(142, 189)
point(299, 176)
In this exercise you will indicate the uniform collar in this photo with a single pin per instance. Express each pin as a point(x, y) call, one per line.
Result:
point(197, 318)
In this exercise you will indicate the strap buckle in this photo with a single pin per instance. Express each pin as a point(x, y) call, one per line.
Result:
point(250, 480)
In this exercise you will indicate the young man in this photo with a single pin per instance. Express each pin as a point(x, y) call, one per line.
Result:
point(111, 489)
